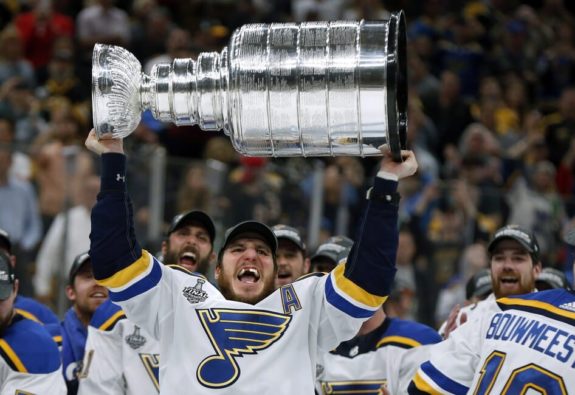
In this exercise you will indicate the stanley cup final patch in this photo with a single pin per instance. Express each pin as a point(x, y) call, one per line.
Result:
point(196, 294)
point(135, 340)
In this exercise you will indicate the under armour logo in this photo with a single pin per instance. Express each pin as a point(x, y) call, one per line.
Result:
point(120, 178)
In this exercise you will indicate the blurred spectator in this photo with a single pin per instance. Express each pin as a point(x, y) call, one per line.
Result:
point(560, 126)
point(60, 163)
point(365, 9)
point(101, 22)
point(18, 102)
point(254, 191)
point(317, 10)
point(68, 236)
point(193, 192)
point(556, 65)
point(449, 111)
point(472, 262)
point(40, 28)
point(20, 217)
point(61, 80)
point(461, 53)
point(178, 45)
point(14, 68)
point(149, 35)
point(536, 205)
point(340, 199)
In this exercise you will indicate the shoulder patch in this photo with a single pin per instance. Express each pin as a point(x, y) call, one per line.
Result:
point(27, 347)
point(408, 334)
point(107, 316)
point(36, 311)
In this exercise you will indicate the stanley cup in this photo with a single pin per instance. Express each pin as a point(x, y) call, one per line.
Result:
point(307, 89)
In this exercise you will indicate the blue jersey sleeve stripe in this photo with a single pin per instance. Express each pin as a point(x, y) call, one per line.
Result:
point(442, 380)
point(342, 304)
point(353, 291)
point(139, 287)
point(138, 269)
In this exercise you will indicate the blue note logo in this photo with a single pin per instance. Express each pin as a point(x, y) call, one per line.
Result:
point(236, 333)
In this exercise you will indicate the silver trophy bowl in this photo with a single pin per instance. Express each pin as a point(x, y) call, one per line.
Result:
point(308, 89)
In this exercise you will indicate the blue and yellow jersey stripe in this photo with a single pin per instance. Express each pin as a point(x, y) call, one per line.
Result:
point(538, 306)
point(135, 279)
point(11, 357)
point(399, 341)
point(350, 298)
point(429, 380)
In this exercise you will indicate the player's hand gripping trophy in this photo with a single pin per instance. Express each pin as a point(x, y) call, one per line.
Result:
point(309, 89)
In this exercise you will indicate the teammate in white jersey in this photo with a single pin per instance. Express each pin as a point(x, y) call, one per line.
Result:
point(244, 338)
point(29, 358)
point(514, 264)
point(121, 358)
point(520, 345)
point(525, 346)
point(384, 354)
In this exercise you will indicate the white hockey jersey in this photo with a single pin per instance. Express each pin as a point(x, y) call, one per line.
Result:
point(210, 345)
point(29, 360)
point(388, 356)
point(238, 348)
point(526, 346)
point(120, 358)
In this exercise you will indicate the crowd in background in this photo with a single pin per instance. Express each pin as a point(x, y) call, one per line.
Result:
point(491, 120)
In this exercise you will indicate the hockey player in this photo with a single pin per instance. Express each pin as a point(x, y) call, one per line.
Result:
point(86, 295)
point(385, 353)
point(291, 255)
point(326, 256)
point(514, 265)
point(523, 345)
point(121, 358)
point(29, 358)
point(28, 307)
point(238, 339)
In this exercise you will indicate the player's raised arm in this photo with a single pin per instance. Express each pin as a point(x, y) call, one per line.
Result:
point(361, 285)
point(371, 262)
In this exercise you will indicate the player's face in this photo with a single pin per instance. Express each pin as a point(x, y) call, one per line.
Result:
point(85, 293)
point(7, 308)
point(292, 264)
point(189, 246)
point(247, 271)
point(322, 264)
point(512, 269)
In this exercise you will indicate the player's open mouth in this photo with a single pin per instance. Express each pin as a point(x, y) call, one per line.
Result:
point(284, 274)
point(98, 295)
point(188, 259)
point(509, 280)
point(248, 275)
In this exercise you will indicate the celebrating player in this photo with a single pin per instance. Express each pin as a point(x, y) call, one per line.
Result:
point(236, 340)
point(514, 264)
point(384, 354)
point(291, 256)
point(122, 358)
point(29, 358)
point(525, 345)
